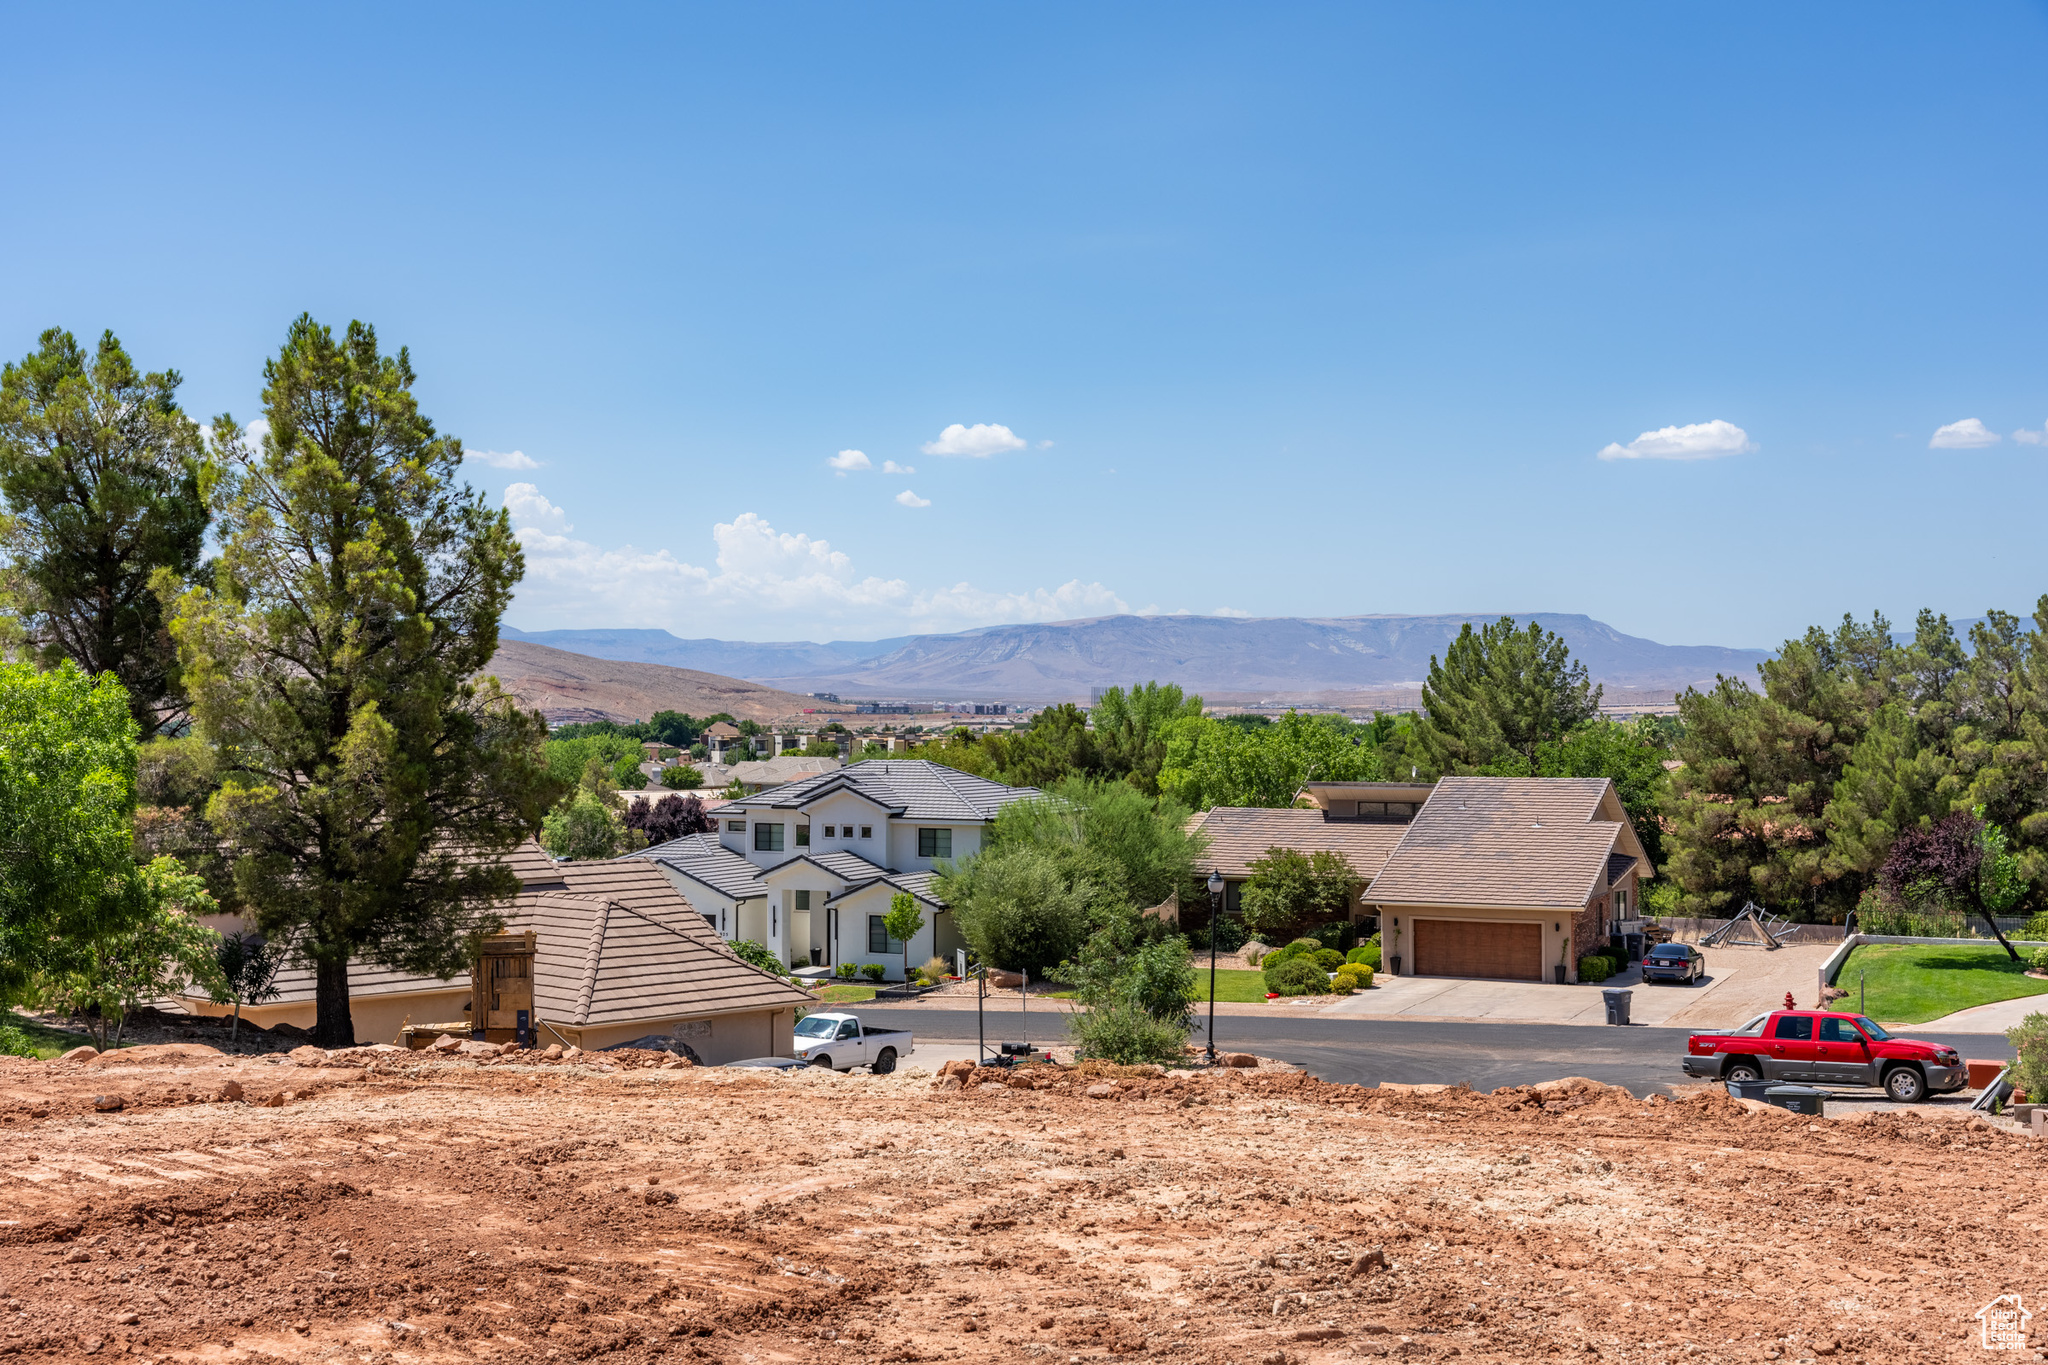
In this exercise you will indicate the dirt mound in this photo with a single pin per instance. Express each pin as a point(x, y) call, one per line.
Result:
point(615, 1207)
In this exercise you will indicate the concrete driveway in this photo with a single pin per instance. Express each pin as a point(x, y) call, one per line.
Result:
point(1740, 984)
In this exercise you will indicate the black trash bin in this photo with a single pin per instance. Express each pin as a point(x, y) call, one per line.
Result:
point(1800, 1099)
point(1749, 1090)
point(1617, 1005)
point(1635, 947)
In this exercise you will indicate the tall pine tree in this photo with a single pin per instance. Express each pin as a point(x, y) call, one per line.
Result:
point(367, 777)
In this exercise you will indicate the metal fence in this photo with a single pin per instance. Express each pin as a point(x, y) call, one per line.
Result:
point(1688, 930)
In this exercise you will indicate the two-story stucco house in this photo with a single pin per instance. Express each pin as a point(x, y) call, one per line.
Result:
point(809, 868)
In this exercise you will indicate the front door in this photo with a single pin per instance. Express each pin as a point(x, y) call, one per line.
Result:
point(1792, 1055)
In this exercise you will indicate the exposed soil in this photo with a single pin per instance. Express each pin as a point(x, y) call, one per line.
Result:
point(398, 1207)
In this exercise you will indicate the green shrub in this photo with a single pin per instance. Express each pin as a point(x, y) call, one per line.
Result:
point(1127, 1034)
point(1297, 976)
point(2029, 1039)
point(15, 1043)
point(2038, 959)
point(1595, 967)
point(1329, 959)
point(873, 971)
point(682, 777)
point(1359, 954)
point(1356, 973)
point(847, 971)
point(757, 955)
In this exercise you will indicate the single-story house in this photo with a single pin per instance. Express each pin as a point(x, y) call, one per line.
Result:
point(1513, 878)
point(762, 774)
point(621, 953)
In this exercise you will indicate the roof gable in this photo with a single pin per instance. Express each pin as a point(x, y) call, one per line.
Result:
point(912, 788)
point(1238, 834)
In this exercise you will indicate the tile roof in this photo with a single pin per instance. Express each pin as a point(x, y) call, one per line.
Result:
point(918, 884)
point(601, 962)
point(915, 788)
point(789, 768)
point(1238, 834)
point(701, 856)
point(621, 944)
point(1505, 841)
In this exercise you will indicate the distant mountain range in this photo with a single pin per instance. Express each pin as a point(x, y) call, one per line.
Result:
point(560, 681)
point(1064, 660)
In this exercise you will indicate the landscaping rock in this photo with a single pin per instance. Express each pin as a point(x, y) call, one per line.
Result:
point(307, 1056)
point(470, 1047)
point(447, 1042)
point(553, 1052)
point(959, 1066)
point(231, 1091)
point(160, 1054)
point(1236, 1059)
point(1101, 1090)
point(79, 1054)
point(109, 1104)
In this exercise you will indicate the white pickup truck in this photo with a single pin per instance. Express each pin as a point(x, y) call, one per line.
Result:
point(842, 1042)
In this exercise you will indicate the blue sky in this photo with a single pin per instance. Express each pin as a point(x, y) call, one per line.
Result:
point(1321, 310)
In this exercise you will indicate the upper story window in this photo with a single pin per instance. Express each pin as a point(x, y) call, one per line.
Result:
point(828, 831)
point(735, 827)
point(768, 838)
point(935, 843)
point(803, 836)
point(866, 831)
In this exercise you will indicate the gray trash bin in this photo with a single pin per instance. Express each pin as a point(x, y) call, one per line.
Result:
point(1800, 1099)
point(1749, 1090)
point(1617, 1005)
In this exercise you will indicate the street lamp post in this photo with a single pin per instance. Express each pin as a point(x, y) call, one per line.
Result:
point(1215, 913)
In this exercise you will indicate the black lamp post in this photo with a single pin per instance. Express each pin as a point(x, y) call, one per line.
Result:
point(1215, 913)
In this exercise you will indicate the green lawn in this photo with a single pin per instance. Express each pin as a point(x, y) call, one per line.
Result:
point(845, 995)
point(1237, 986)
point(1910, 983)
point(43, 1041)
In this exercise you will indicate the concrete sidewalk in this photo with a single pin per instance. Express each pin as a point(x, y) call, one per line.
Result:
point(1996, 1017)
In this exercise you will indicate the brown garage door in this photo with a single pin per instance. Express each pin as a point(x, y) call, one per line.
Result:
point(1504, 952)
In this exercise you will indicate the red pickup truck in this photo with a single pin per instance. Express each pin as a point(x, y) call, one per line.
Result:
point(1835, 1049)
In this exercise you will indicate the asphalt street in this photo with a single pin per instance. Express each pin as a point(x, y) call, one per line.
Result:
point(1368, 1051)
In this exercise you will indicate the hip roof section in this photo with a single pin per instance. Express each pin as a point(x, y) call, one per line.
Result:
point(1508, 842)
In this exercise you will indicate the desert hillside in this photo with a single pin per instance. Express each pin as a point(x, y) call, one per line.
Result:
point(555, 680)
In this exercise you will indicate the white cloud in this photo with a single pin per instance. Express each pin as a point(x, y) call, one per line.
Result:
point(1968, 434)
point(1045, 445)
point(910, 499)
point(979, 441)
point(1699, 441)
point(253, 433)
point(2031, 438)
point(763, 584)
point(531, 511)
point(891, 467)
point(502, 459)
point(847, 460)
point(1230, 611)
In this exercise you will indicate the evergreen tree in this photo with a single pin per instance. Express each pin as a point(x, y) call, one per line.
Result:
point(368, 779)
point(1498, 694)
point(1130, 730)
point(102, 473)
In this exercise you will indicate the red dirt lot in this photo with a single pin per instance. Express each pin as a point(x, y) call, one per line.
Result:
point(397, 1207)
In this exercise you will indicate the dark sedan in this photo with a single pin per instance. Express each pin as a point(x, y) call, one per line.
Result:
point(1674, 962)
point(772, 1063)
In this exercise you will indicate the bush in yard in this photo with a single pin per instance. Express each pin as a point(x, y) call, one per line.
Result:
point(2029, 1039)
point(15, 1043)
point(1329, 959)
point(1362, 953)
point(1595, 967)
point(1359, 973)
point(757, 955)
point(1297, 976)
point(2038, 959)
point(873, 971)
point(936, 969)
point(847, 971)
point(681, 777)
point(1126, 1033)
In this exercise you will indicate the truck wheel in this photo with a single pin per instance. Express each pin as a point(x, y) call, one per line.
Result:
point(1742, 1071)
point(1905, 1084)
point(885, 1063)
point(825, 1062)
